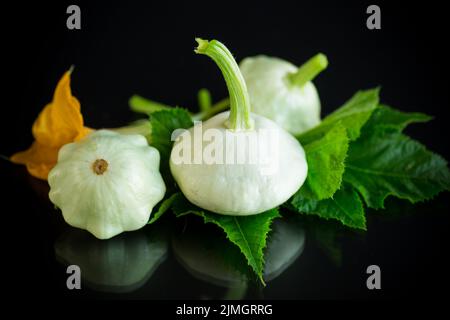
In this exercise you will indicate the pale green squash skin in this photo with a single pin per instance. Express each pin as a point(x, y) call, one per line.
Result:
point(241, 189)
point(120, 199)
point(295, 109)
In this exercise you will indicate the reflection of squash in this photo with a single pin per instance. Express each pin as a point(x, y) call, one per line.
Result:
point(285, 245)
point(121, 264)
point(203, 254)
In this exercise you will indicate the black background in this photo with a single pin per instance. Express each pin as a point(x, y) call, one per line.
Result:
point(147, 48)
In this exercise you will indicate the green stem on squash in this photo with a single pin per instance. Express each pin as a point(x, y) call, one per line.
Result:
point(309, 70)
point(239, 99)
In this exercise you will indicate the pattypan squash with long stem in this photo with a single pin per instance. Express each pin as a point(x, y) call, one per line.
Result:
point(216, 178)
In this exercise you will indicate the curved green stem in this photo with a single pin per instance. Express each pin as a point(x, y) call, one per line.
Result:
point(239, 100)
point(309, 70)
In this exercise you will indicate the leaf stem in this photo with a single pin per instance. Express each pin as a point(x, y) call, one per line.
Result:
point(142, 127)
point(214, 109)
point(204, 99)
point(309, 70)
point(239, 99)
point(143, 105)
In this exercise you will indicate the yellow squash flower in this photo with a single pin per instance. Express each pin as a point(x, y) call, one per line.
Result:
point(59, 123)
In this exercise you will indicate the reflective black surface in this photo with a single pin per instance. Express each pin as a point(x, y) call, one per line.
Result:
point(143, 48)
point(182, 258)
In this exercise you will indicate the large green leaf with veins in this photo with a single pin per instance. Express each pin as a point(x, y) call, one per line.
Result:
point(325, 158)
point(326, 145)
point(352, 115)
point(345, 206)
point(386, 162)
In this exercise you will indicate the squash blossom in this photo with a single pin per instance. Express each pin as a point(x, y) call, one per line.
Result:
point(59, 123)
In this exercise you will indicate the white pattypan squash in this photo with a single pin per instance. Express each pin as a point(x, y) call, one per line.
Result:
point(275, 93)
point(243, 163)
point(245, 188)
point(107, 183)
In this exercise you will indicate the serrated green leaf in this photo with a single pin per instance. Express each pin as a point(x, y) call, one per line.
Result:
point(249, 233)
point(386, 162)
point(162, 208)
point(325, 158)
point(345, 206)
point(163, 124)
point(387, 118)
point(352, 115)
point(326, 145)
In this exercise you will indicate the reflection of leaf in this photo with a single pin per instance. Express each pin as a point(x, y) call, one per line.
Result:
point(326, 235)
point(327, 240)
point(249, 233)
point(345, 206)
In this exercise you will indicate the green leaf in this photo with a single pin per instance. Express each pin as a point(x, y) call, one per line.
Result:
point(326, 145)
point(387, 118)
point(249, 233)
point(345, 206)
point(352, 115)
point(163, 124)
point(325, 158)
point(163, 207)
point(386, 162)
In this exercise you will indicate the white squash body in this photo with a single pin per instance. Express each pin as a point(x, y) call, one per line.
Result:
point(119, 199)
point(296, 109)
point(241, 188)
